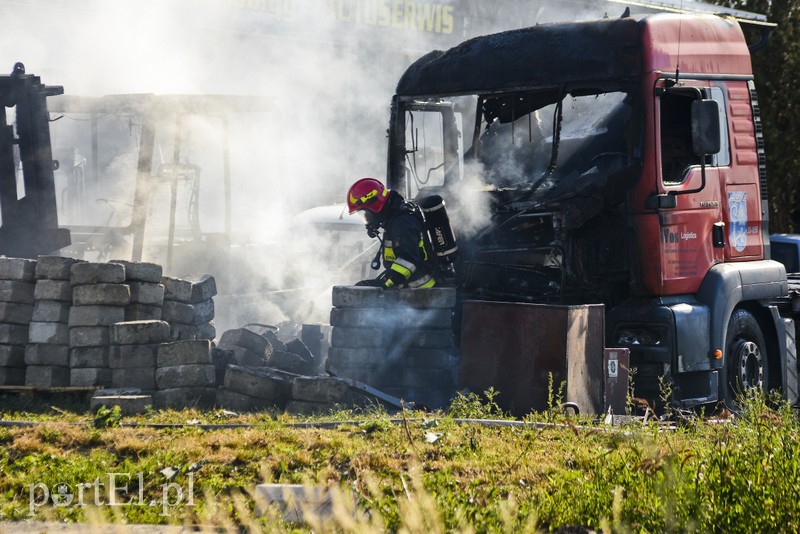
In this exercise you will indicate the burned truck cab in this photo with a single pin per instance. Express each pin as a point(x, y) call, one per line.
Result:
point(575, 173)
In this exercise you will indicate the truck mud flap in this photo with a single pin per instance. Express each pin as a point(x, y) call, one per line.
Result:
point(790, 372)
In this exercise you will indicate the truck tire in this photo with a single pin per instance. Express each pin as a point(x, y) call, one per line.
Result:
point(746, 365)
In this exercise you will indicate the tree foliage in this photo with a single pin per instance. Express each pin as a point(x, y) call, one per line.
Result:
point(777, 72)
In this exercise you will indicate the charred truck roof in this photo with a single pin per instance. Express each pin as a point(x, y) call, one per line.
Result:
point(547, 54)
point(574, 52)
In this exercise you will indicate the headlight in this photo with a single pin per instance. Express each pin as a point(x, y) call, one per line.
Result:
point(638, 336)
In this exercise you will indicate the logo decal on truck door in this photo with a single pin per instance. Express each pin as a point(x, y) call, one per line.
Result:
point(737, 207)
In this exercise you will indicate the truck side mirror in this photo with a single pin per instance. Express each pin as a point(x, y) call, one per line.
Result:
point(705, 127)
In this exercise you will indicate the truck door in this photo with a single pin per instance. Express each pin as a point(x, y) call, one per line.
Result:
point(689, 243)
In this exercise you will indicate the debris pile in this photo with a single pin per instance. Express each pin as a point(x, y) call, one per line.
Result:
point(261, 370)
point(144, 339)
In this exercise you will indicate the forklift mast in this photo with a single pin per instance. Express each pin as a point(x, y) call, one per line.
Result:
point(28, 211)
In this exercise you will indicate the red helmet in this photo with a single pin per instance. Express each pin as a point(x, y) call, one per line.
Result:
point(367, 193)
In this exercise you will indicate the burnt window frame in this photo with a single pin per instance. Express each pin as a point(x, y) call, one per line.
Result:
point(682, 132)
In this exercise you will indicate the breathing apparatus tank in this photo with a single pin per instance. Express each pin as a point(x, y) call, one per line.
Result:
point(440, 233)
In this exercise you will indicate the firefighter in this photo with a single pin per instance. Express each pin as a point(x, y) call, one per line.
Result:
point(405, 258)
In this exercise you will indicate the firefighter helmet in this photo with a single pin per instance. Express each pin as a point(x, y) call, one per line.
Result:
point(367, 193)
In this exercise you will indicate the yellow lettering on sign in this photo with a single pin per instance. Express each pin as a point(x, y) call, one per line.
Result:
point(397, 13)
point(447, 19)
point(417, 15)
point(384, 13)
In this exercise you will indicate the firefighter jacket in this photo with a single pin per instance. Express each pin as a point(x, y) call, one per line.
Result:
point(405, 259)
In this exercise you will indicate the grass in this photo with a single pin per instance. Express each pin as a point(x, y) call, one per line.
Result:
point(426, 473)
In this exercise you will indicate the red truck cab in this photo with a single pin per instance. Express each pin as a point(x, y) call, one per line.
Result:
point(619, 162)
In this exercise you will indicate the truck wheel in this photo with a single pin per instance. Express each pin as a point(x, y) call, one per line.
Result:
point(746, 357)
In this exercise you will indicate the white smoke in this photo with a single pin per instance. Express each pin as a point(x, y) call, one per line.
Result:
point(330, 68)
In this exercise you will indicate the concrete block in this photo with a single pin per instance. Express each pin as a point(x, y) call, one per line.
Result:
point(185, 397)
point(182, 332)
point(12, 356)
point(289, 362)
point(420, 338)
point(191, 314)
point(47, 289)
point(134, 377)
point(177, 312)
point(274, 342)
point(51, 311)
point(88, 336)
point(101, 294)
point(319, 389)
point(46, 376)
point(356, 338)
point(46, 354)
point(13, 334)
point(260, 383)
point(57, 333)
point(435, 297)
point(17, 269)
point(95, 315)
point(293, 500)
point(241, 337)
point(357, 297)
point(124, 356)
point(142, 312)
point(247, 358)
point(129, 404)
point(141, 271)
point(193, 375)
point(344, 357)
point(87, 357)
point(368, 375)
point(96, 273)
point(15, 313)
point(139, 332)
point(422, 318)
point(12, 376)
point(147, 293)
point(54, 267)
point(299, 348)
point(358, 317)
point(422, 358)
point(15, 291)
point(90, 376)
point(184, 353)
point(233, 400)
point(191, 288)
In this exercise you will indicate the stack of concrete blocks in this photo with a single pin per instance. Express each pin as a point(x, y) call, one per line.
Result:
point(134, 352)
point(47, 354)
point(16, 311)
point(398, 341)
point(99, 298)
point(185, 375)
point(189, 307)
point(147, 291)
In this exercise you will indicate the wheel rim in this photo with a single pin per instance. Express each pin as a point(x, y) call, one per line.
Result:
point(749, 365)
